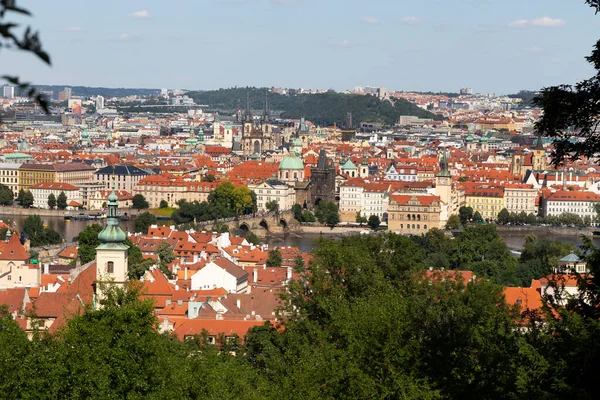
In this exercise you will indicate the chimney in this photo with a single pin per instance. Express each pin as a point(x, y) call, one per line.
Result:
point(185, 274)
point(289, 274)
point(166, 324)
point(238, 303)
point(255, 275)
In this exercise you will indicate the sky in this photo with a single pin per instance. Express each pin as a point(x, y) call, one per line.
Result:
point(492, 46)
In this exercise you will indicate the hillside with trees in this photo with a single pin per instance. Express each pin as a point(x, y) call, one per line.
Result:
point(322, 109)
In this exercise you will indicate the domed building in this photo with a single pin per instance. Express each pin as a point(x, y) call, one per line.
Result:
point(291, 169)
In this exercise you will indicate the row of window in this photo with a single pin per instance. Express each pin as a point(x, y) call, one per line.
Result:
point(413, 226)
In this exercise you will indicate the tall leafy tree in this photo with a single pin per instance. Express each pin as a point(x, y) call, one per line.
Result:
point(88, 241)
point(61, 201)
point(51, 201)
point(274, 259)
point(6, 195)
point(143, 221)
point(139, 202)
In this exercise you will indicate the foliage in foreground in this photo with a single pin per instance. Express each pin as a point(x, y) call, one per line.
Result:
point(363, 321)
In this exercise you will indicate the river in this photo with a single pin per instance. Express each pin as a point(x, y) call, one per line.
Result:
point(70, 229)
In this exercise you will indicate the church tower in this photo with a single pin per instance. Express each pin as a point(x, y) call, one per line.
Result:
point(217, 128)
point(364, 167)
point(539, 156)
point(111, 255)
point(443, 182)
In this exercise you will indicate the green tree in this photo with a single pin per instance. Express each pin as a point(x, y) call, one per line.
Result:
point(139, 202)
point(51, 201)
point(453, 222)
point(327, 213)
point(477, 217)
point(274, 259)
point(272, 206)
point(209, 178)
point(143, 221)
point(136, 264)
point(220, 227)
point(465, 214)
point(20, 196)
point(61, 201)
point(297, 211)
point(252, 238)
point(88, 241)
point(6, 196)
point(374, 222)
point(3, 233)
point(307, 216)
point(570, 113)
point(27, 199)
point(163, 204)
point(37, 233)
point(166, 256)
point(504, 216)
point(360, 219)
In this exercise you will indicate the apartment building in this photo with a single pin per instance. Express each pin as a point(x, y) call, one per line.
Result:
point(9, 176)
point(520, 197)
point(172, 189)
point(570, 201)
point(120, 177)
point(488, 201)
point(41, 191)
point(273, 189)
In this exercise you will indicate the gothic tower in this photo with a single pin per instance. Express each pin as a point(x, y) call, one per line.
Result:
point(539, 156)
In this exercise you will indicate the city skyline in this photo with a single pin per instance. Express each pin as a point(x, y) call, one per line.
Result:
point(437, 46)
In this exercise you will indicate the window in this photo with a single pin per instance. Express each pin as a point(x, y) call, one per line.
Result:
point(110, 267)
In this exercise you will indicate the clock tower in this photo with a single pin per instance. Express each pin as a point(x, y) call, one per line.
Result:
point(443, 182)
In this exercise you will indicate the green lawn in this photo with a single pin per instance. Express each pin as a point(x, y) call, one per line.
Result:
point(162, 211)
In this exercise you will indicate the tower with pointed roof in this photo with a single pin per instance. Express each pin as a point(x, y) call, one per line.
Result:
point(111, 254)
point(256, 138)
point(538, 161)
point(84, 138)
point(322, 180)
point(443, 181)
point(364, 167)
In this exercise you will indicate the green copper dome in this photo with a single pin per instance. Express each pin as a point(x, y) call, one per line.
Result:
point(349, 165)
point(292, 162)
point(112, 232)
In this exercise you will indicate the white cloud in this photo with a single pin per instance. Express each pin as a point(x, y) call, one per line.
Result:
point(548, 22)
point(141, 14)
point(520, 23)
point(544, 22)
point(73, 29)
point(536, 49)
point(370, 20)
point(411, 20)
point(125, 36)
point(345, 43)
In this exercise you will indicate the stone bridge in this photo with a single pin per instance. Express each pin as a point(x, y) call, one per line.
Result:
point(267, 223)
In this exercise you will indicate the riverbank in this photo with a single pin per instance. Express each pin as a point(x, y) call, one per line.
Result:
point(13, 211)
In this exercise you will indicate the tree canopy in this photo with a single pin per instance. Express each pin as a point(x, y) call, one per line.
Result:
point(571, 113)
point(39, 235)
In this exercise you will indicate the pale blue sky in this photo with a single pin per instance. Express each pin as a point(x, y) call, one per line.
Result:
point(493, 46)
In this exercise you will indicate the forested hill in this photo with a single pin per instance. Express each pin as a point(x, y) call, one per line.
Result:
point(87, 91)
point(323, 109)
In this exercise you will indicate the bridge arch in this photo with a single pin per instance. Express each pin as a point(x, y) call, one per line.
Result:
point(263, 223)
point(283, 223)
point(244, 227)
